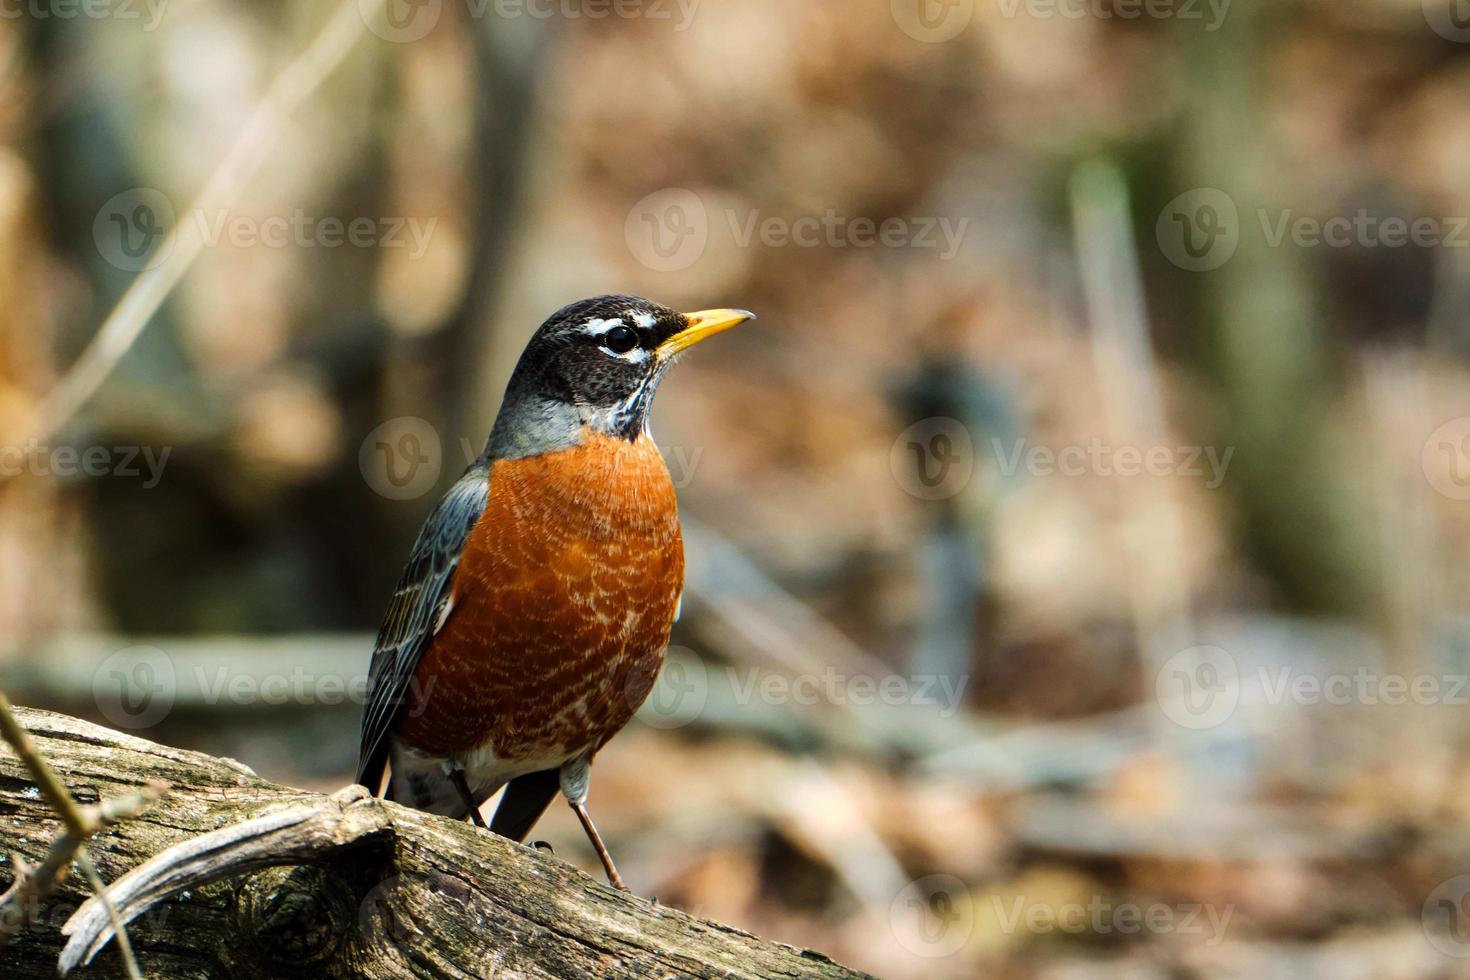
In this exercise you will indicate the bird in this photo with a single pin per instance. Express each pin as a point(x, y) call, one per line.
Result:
point(531, 619)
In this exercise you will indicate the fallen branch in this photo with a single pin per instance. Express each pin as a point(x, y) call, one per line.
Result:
point(231, 875)
point(30, 885)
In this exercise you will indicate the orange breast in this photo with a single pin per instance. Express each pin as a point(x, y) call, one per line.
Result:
point(563, 602)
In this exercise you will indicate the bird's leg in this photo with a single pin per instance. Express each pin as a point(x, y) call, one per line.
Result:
point(456, 776)
point(574, 777)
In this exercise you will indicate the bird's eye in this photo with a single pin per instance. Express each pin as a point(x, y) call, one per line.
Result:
point(620, 340)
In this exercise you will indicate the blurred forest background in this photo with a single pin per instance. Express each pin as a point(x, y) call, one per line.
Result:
point(1078, 542)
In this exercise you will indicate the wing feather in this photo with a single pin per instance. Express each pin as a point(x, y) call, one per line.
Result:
point(418, 610)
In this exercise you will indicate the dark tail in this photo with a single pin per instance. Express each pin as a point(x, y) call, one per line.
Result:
point(370, 769)
point(526, 798)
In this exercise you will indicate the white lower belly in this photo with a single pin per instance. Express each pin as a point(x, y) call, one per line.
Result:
point(486, 772)
point(422, 780)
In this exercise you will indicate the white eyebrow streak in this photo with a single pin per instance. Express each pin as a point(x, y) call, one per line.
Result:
point(599, 327)
point(645, 320)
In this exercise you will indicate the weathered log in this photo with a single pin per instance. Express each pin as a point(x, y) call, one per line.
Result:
point(232, 876)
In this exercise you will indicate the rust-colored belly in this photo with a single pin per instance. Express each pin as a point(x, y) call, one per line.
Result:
point(563, 602)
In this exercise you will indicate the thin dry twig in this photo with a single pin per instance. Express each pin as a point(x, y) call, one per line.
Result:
point(50, 786)
point(79, 824)
point(124, 945)
point(185, 240)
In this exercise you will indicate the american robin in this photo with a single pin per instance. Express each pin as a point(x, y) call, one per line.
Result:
point(531, 620)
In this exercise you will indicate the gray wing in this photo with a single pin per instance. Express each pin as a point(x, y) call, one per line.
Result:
point(414, 615)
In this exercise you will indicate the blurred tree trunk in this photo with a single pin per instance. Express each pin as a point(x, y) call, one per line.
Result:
point(1268, 350)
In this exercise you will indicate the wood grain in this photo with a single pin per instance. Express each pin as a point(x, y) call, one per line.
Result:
point(236, 877)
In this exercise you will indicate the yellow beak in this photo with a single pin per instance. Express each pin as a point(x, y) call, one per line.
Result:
point(702, 326)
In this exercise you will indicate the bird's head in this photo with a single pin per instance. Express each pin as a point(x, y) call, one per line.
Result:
point(595, 366)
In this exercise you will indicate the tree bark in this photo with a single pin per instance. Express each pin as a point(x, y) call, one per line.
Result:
point(231, 876)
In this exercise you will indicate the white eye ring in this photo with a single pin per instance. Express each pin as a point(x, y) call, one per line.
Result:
point(635, 356)
point(620, 340)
